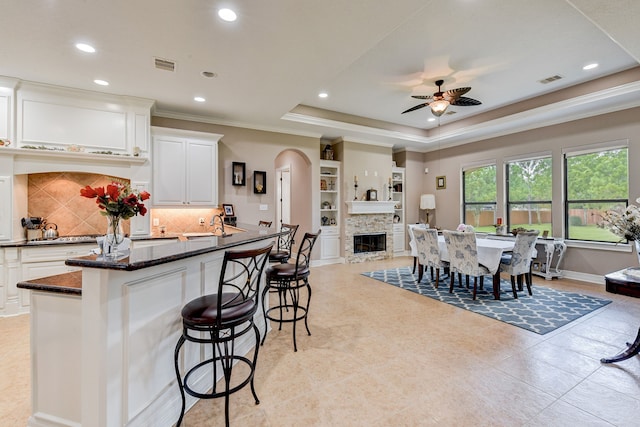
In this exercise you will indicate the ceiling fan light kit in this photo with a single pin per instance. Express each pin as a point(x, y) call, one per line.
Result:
point(441, 100)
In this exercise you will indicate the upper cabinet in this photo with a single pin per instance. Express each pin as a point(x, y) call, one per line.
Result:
point(185, 171)
point(56, 118)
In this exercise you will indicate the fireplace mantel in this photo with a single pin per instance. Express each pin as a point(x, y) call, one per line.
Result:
point(370, 207)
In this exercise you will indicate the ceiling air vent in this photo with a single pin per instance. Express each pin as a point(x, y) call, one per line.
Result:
point(164, 64)
point(550, 79)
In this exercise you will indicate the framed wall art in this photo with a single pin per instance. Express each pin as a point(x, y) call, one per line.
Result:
point(441, 182)
point(239, 172)
point(259, 182)
point(228, 210)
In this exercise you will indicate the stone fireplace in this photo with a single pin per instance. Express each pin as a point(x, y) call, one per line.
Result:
point(368, 219)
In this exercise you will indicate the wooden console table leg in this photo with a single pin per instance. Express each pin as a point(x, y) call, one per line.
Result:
point(633, 349)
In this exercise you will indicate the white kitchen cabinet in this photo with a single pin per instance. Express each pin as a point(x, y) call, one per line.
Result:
point(44, 261)
point(185, 168)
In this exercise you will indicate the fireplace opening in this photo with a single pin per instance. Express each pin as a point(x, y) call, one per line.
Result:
point(376, 242)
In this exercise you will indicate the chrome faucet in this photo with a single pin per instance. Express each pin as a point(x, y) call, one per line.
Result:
point(221, 227)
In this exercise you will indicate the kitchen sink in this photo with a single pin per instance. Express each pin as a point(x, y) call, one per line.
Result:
point(228, 229)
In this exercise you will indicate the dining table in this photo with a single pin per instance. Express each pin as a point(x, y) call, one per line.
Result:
point(489, 253)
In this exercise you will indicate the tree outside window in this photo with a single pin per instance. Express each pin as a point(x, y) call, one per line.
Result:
point(595, 182)
point(480, 192)
point(529, 194)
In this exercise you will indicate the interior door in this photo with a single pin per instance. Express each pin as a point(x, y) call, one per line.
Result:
point(283, 211)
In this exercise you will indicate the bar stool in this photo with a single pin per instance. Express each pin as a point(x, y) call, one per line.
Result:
point(282, 252)
point(218, 320)
point(287, 280)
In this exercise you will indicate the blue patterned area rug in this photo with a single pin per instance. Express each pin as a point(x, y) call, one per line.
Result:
point(541, 313)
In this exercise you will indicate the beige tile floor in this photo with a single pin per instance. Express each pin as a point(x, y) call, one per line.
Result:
point(382, 356)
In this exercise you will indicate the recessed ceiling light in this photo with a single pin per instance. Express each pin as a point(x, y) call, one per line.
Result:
point(227, 15)
point(199, 99)
point(101, 82)
point(85, 47)
point(323, 95)
point(590, 66)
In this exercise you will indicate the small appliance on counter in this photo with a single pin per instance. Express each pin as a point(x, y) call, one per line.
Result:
point(34, 226)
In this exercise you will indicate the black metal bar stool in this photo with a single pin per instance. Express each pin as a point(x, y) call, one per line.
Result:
point(282, 251)
point(219, 319)
point(288, 280)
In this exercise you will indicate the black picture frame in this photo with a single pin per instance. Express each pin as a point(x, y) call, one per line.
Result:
point(228, 210)
point(441, 182)
point(259, 182)
point(238, 173)
point(372, 195)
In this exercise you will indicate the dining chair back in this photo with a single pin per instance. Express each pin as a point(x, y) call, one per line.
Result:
point(463, 257)
point(412, 243)
point(266, 224)
point(426, 241)
point(518, 263)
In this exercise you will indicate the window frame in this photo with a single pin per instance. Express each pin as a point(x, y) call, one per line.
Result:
point(585, 150)
point(472, 167)
point(508, 203)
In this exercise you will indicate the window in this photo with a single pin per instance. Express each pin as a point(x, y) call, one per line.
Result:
point(479, 197)
point(595, 181)
point(529, 193)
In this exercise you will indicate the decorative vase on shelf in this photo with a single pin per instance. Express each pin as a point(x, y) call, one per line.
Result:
point(637, 245)
point(115, 236)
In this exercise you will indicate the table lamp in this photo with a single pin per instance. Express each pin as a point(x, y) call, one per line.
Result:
point(427, 202)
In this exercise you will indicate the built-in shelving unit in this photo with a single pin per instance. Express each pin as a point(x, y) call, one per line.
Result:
point(397, 196)
point(330, 209)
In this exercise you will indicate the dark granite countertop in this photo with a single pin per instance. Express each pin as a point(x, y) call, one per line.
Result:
point(71, 283)
point(155, 255)
point(68, 283)
point(67, 240)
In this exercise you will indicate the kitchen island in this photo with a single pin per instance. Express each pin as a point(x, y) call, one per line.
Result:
point(102, 340)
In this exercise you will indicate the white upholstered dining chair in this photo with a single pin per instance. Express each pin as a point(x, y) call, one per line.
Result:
point(429, 253)
point(518, 263)
point(463, 257)
point(412, 243)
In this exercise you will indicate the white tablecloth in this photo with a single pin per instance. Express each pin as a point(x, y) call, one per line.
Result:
point(489, 251)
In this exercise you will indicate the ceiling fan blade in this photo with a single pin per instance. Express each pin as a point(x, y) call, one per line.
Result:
point(463, 101)
point(421, 96)
point(452, 94)
point(417, 107)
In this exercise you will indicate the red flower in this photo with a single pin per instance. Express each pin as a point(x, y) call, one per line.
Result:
point(118, 199)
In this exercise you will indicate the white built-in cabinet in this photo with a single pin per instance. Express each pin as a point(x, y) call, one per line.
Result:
point(397, 195)
point(185, 168)
point(330, 206)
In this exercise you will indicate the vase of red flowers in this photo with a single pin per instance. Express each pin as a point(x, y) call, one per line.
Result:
point(117, 201)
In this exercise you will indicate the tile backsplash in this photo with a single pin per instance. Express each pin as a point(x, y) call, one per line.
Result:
point(56, 197)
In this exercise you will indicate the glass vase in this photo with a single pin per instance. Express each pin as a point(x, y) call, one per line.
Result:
point(637, 245)
point(115, 236)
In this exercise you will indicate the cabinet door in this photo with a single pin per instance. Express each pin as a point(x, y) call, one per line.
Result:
point(330, 247)
point(169, 182)
point(201, 167)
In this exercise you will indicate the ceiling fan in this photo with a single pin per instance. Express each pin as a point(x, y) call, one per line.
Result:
point(441, 100)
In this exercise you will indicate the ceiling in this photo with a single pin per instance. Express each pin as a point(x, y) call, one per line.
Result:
point(370, 56)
